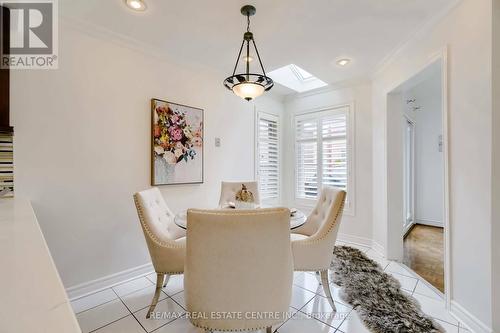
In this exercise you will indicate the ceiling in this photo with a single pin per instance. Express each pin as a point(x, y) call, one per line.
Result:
point(308, 33)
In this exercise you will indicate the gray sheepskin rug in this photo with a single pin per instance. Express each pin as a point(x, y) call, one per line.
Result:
point(376, 295)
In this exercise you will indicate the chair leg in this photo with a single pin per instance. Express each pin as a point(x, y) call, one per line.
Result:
point(318, 277)
point(326, 288)
point(269, 329)
point(159, 283)
point(167, 277)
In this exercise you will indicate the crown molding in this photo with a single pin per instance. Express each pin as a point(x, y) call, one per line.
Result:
point(346, 84)
point(420, 31)
point(102, 33)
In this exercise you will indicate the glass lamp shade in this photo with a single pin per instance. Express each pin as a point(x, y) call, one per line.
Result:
point(248, 90)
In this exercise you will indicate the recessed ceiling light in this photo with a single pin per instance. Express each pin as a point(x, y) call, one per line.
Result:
point(343, 62)
point(138, 5)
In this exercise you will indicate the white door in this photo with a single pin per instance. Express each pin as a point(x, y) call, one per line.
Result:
point(409, 174)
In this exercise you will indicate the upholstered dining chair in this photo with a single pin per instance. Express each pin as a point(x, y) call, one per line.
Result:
point(238, 262)
point(228, 192)
point(313, 243)
point(166, 241)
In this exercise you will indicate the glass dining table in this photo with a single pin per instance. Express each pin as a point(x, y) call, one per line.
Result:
point(297, 218)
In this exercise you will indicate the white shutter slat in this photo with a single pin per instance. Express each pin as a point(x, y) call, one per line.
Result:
point(321, 152)
point(307, 160)
point(268, 153)
point(334, 148)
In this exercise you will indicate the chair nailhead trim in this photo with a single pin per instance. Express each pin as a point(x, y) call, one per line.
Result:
point(339, 213)
point(146, 230)
point(233, 330)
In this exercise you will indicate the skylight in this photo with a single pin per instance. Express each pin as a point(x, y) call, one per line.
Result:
point(296, 78)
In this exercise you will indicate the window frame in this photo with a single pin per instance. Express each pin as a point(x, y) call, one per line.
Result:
point(273, 117)
point(349, 208)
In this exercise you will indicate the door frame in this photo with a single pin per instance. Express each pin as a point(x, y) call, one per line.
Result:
point(440, 56)
point(407, 119)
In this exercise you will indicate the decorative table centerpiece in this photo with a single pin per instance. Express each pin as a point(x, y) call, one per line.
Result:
point(244, 199)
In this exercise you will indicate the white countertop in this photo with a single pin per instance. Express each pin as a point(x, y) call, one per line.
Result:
point(32, 296)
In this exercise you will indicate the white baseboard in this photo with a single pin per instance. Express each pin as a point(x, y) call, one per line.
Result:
point(354, 239)
point(105, 282)
point(429, 222)
point(468, 319)
point(406, 229)
point(378, 248)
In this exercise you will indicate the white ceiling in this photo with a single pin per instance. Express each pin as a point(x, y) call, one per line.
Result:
point(309, 33)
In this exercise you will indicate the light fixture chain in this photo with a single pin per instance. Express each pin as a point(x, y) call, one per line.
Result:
point(248, 22)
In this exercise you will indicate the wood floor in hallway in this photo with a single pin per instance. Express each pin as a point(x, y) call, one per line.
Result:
point(424, 253)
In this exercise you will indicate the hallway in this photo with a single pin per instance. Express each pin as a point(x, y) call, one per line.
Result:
point(423, 252)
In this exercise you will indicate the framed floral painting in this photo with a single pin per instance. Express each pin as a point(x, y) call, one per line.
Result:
point(177, 144)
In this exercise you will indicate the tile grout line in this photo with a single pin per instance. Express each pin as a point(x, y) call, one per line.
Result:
point(286, 321)
point(117, 296)
point(96, 306)
point(348, 314)
point(415, 288)
point(318, 294)
point(114, 321)
point(152, 284)
point(147, 306)
point(408, 276)
point(172, 298)
point(109, 287)
point(170, 322)
point(130, 311)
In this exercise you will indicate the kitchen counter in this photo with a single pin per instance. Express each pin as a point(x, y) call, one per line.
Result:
point(32, 296)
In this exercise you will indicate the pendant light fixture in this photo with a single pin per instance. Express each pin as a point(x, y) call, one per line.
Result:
point(248, 85)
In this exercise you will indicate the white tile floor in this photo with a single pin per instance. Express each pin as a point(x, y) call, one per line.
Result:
point(122, 309)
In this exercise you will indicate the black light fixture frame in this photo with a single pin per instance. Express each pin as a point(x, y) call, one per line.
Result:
point(247, 77)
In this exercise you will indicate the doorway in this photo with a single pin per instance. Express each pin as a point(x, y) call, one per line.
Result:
point(417, 174)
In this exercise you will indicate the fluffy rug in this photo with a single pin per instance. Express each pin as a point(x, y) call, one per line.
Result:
point(376, 295)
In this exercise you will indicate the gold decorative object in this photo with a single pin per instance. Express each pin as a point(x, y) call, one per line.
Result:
point(244, 198)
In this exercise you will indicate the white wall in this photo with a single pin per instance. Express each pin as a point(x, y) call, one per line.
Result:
point(82, 147)
point(495, 234)
point(428, 158)
point(467, 33)
point(357, 228)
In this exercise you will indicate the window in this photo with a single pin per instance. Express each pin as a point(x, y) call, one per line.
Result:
point(296, 78)
point(268, 165)
point(322, 153)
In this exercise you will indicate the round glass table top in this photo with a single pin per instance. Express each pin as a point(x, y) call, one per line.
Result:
point(297, 219)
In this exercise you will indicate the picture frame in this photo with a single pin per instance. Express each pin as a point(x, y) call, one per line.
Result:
point(177, 143)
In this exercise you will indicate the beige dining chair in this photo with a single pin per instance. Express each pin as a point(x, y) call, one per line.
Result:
point(165, 240)
point(228, 191)
point(313, 242)
point(238, 262)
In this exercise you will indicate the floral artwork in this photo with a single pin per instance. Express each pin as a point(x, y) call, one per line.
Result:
point(177, 143)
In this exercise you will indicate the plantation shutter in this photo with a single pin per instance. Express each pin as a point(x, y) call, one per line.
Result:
point(307, 158)
point(268, 156)
point(334, 150)
point(321, 150)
